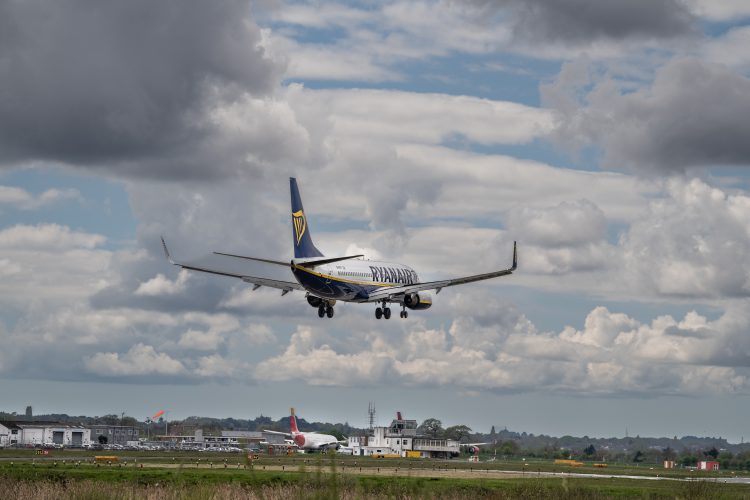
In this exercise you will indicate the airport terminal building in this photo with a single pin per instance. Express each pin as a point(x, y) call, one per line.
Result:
point(401, 438)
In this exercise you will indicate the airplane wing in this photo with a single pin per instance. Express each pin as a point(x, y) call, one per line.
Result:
point(277, 432)
point(395, 291)
point(259, 272)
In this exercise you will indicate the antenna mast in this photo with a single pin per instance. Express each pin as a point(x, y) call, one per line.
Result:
point(371, 415)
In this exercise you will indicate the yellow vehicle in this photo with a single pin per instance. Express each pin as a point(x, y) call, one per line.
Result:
point(413, 454)
point(571, 463)
point(104, 459)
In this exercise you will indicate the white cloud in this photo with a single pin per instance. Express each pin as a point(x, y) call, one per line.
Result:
point(215, 366)
point(661, 129)
point(160, 285)
point(23, 200)
point(612, 355)
point(202, 341)
point(730, 47)
point(692, 243)
point(720, 10)
point(410, 117)
point(47, 237)
point(139, 360)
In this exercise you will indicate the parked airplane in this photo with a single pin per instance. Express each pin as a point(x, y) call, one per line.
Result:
point(311, 441)
point(329, 279)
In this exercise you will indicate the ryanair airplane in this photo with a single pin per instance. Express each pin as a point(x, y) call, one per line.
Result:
point(326, 280)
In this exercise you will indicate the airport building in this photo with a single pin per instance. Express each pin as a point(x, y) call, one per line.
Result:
point(401, 438)
point(114, 434)
point(41, 434)
point(227, 439)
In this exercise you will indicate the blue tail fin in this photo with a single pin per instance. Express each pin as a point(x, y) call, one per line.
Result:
point(303, 244)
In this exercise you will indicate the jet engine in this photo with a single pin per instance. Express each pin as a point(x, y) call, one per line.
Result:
point(419, 300)
point(314, 301)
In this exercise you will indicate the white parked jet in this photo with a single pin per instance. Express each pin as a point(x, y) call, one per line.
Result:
point(329, 279)
point(310, 441)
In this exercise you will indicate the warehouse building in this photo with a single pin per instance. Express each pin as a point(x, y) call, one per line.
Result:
point(401, 438)
point(41, 434)
point(114, 434)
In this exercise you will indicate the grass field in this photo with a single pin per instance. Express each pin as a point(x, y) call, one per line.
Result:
point(342, 461)
point(323, 477)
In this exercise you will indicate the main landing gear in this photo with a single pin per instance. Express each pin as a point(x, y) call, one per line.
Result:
point(385, 312)
point(325, 310)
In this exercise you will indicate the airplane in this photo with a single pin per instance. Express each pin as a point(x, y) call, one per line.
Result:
point(311, 441)
point(326, 280)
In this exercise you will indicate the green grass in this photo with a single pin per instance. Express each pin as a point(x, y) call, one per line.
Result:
point(316, 481)
point(530, 466)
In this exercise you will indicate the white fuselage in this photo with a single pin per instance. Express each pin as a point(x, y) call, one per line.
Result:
point(353, 280)
point(314, 441)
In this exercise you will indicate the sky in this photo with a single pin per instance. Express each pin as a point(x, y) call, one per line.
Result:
point(610, 139)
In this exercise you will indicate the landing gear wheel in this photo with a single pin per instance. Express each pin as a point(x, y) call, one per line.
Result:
point(329, 311)
point(404, 314)
point(321, 311)
point(378, 313)
point(387, 313)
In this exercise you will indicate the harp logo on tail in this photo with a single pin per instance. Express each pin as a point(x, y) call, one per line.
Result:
point(300, 225)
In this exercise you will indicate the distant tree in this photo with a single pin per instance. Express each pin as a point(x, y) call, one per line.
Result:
point(688, 460)
point(129, 421)
point(431, 427)
point(712, 453)
point(509, 448)
point(668, 454)
point(589, 450)
point(111, 419)
point(638, 457)
point(337, 434)
point(492, 432)
point(457, 432)
point(102, 439)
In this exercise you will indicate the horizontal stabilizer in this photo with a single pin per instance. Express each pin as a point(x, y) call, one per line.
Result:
point(319, 262)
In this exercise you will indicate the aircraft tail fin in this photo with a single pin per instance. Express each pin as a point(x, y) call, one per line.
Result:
point(293, 422)
point(303, 244)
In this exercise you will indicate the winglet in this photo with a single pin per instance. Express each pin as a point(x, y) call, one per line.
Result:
point(515, 257)
point(166, 250)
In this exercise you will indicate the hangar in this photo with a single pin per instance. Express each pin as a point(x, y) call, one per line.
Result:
point(20, 433)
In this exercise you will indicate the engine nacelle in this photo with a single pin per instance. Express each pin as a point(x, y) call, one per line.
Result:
point(314, 301)
point(419, 300)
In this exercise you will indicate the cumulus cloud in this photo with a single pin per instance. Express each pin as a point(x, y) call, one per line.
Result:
point(374, 43)
point(613, 354)
point(47, 237)
point(161, 285)
point(566, 224)
point(720, 10)
point(50, 263)
point(139, 360)
point(23, 200)
point(591, 20)
point(692, 243)
point(135, 88)
point(666, 128)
